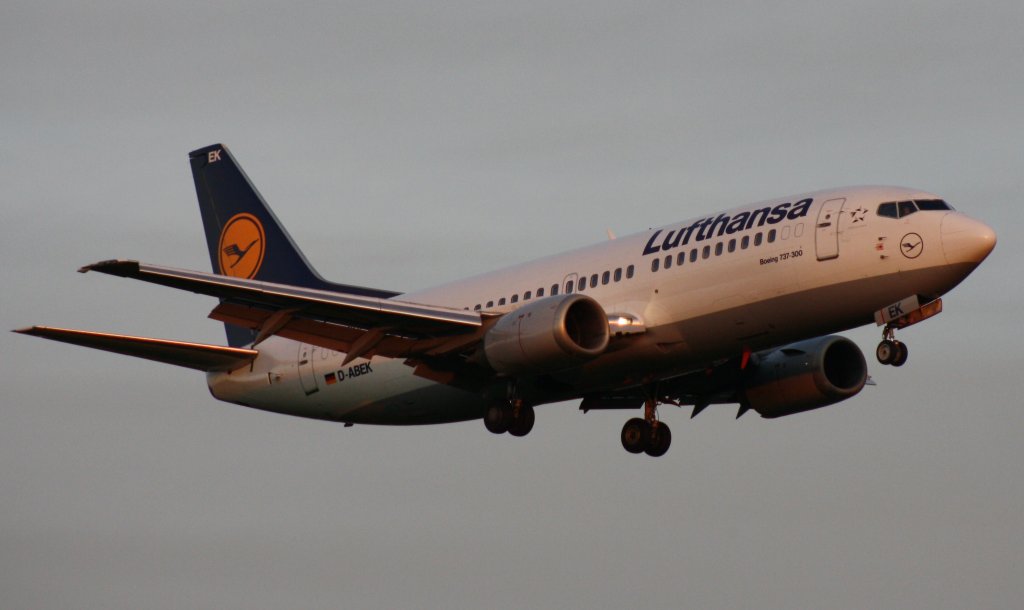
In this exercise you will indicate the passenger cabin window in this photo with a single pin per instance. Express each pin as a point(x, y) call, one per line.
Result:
point(515, 298)
point(732, 245)
point(668, 261)
point(680, 258)
point(745, 242)
point(655, 264)
point(581, 285)
point(501, 301)
point(569, 286)
point(554, 290)
point(593, 281)
point(490, 304)
point(476, 307)
point(606, 277)
point(771, 236)
point(758, 238)
point(618, 274)
point(540, 292)
point(630, 271)
point(693, 255)
point(526, 297)
point(707, 252)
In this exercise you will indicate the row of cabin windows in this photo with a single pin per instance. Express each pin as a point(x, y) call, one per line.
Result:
point(571, 286)
point(721, 246)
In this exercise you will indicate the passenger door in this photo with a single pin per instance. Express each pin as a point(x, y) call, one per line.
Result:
point(307, 378)
point(826, 233)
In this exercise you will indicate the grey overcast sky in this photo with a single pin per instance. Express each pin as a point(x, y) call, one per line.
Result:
point(405, 144)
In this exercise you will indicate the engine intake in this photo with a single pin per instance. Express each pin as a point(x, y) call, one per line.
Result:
point(547, 335)
point(805, 376)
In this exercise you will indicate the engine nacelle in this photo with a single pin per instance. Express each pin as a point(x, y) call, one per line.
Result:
point(806, 375)
point(547, 335)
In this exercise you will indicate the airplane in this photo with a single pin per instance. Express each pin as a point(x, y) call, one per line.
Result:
point(734, 307)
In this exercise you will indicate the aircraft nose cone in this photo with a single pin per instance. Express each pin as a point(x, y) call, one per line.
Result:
point(965, 240)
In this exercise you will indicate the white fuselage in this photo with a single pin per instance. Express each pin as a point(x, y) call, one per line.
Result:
point(752, 278)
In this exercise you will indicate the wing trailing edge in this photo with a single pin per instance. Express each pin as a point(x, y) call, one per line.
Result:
point(198, 356)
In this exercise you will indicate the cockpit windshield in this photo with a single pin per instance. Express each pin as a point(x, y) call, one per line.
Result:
point(900, 209)
point(927, 205)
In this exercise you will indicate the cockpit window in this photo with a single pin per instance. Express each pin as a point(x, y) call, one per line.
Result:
point(906, 208)
point(893, 209)
point(932, 204)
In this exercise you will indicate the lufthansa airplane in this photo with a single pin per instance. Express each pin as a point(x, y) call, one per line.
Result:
point(732, 307)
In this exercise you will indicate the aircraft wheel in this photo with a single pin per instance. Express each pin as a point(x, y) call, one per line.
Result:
point(899, 358)
point(660, 437)
point(521, 426)
point(634, 435)
point(495, 420)
point(886, 351)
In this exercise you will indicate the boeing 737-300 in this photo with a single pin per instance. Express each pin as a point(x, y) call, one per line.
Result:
point(731, 307)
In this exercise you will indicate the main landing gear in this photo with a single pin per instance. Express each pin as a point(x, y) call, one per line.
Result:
point(515, 418)
point(891, 351)
point(647, 435)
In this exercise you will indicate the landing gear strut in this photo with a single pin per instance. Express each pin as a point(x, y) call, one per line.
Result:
point(647, 435)
point(891, 351)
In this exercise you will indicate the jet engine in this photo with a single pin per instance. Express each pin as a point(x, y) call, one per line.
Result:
point(547, 335)
point(805, 375)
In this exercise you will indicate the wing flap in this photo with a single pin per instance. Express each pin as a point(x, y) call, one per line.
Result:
point(198, 356)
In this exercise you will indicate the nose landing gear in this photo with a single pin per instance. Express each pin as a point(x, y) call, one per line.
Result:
point(890, 351)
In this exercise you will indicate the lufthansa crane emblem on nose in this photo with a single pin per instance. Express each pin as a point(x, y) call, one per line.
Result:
point(911, 245)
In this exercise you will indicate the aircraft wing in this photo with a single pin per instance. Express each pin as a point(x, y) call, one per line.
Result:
point(197, 356)
point(361, 326)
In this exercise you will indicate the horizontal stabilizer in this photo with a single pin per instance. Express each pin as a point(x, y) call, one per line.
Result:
point(197, 356)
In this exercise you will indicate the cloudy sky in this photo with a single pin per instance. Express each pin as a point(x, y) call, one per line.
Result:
point(406, 144)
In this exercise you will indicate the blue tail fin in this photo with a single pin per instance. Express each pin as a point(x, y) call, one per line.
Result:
point(245, 238)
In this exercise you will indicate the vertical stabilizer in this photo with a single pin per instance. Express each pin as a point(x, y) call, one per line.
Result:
point(244, 237)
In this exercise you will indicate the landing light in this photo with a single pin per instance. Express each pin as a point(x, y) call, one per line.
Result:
point(625, 324)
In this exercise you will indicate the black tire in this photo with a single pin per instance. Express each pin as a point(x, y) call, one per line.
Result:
point(522, 425)
point(634, 435)
point(886, 351)
point(901, 355)
point(495, 420)
point(660, 440)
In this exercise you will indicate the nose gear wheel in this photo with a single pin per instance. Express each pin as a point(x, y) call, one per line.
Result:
point(890, 351)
